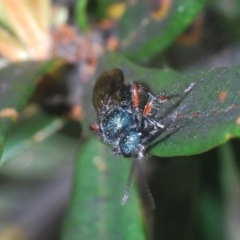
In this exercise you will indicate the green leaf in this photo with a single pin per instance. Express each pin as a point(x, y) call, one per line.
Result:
point(16, 85)
point(81, 15)
point(210, 217)
point(101, 8)
point(28, 131)
point(231, 11)
point(143, 36)
point(209, 114)
point(95, 211)
point(39, 161)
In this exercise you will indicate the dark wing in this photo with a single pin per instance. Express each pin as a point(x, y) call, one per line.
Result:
point(108, 89)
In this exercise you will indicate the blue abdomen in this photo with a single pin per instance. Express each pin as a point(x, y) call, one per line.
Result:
point(129, 142)
point(116, 121)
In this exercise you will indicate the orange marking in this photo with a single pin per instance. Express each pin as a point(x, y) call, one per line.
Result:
point(148, 108)
point(94, 127)
point(159, 8)
point(179, 115)
point(76, 113)
point(196, 114)
point(163, 98)
point(135, 95)
point(113, 44)
point(222, 96)
point(193, 34)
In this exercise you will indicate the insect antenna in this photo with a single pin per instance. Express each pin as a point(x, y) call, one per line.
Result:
point(135, 161)
point(129, 182)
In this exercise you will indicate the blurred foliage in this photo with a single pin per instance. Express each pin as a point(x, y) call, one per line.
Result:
point(193, 173)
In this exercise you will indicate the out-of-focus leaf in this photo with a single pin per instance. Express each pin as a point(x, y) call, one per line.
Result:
point(207, 117)
point(212, 216)
point(101, 8)
point(95, 211)
point(210, 209)
point(16, 85)
point(231, 11)
point(40, 161)
point(149, 27)
point(81, 15)
point(229, 179)
point(29, 131)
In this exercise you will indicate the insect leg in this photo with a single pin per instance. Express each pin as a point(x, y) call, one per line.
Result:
point(135, 95)
point(160, 131)
point(94, 127)
point(145, 186)
point(164, 97)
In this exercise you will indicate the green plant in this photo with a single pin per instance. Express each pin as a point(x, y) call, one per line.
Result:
point(196, 192)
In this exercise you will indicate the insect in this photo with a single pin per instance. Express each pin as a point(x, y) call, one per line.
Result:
point(129, 117)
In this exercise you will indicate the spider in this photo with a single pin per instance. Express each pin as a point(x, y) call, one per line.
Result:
point(128, 118)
